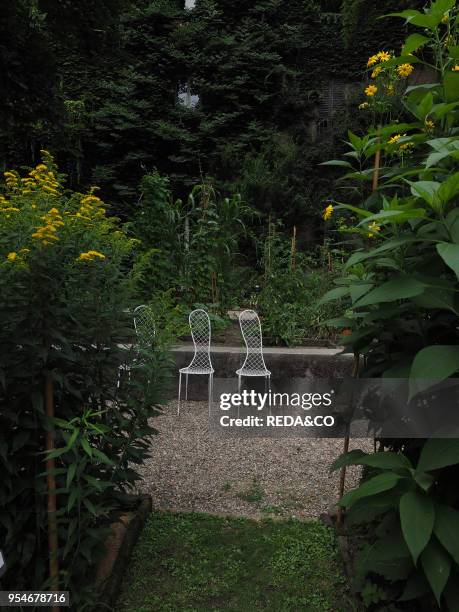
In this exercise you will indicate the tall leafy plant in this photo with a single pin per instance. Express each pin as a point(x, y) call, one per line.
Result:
point(400, 298)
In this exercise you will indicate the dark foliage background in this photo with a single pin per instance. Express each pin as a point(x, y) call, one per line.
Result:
point(97, 84)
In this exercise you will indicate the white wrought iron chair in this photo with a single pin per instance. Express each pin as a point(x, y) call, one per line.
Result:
point(201, 362)
point(145, 330)
point(254, 363)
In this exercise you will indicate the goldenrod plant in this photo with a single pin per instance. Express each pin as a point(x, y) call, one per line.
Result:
point(65, 316)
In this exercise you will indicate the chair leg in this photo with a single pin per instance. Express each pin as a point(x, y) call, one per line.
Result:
point(186, 387)
point(179, 391)
point(211, 389)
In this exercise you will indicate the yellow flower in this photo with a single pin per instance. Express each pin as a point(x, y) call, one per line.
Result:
point(456, 68)
point(372, 61)
point(90, 255)
point(445, 18)
point(404, 70)
point(328, 212)
point(364, 105)
point(429, 125)
point(12, 256)
point(390, 90)
point(376, 72)
point(383, 56)
point(371, 90)
point(394, 139)
point(373, 229)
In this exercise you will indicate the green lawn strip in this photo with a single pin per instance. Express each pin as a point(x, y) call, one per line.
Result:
point(199, 562)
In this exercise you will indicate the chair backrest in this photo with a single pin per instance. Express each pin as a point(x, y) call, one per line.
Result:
point(251, 332)
point(144, 324)
point(200, 332)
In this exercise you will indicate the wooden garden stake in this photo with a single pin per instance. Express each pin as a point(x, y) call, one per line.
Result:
point(51, 484)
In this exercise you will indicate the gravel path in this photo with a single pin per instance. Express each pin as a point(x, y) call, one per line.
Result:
point(190, 470)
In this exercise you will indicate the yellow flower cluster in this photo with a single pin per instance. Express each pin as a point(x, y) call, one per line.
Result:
point(382, 56)
point(47, 232)
point(327, 213)
point(371, 90)
point(90, 256)
point(377, 71)
point(41, 178)
point(404, 70)
point(12, 180)
point(91, 206)
point(406, 147)
point(429, 125)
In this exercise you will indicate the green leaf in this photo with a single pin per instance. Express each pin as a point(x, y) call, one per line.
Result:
point(359, 211)
point(337, 162)
point(449, 252)
point(416, 18)
point(417, 517)
point(447, 529)
point(350, 458)
point(73, 497)
point(102, 456)
point(426, 190)
point(438, 453)
point(357, 291)
point(400, 288)
point(334, 294)
point(433, 297)
point(437, 566)
point(56, 452)
point(452, 223)
point(71, 474)
point(387, 460)
point(451, 86)
point(413, 43)
point(86, 446)
point(374, 485)
point(431, 365)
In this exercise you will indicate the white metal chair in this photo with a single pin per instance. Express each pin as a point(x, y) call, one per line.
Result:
point(254, 363)
point(145, 330)
point(201, 362)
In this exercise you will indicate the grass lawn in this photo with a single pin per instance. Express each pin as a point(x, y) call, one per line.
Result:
point(199, 562)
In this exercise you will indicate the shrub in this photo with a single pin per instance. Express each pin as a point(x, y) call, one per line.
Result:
point(64, 310)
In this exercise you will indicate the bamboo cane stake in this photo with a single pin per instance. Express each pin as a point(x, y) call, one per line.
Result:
point(51, 484)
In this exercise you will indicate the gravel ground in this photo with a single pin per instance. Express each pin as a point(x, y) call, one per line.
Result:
point(190, 470)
